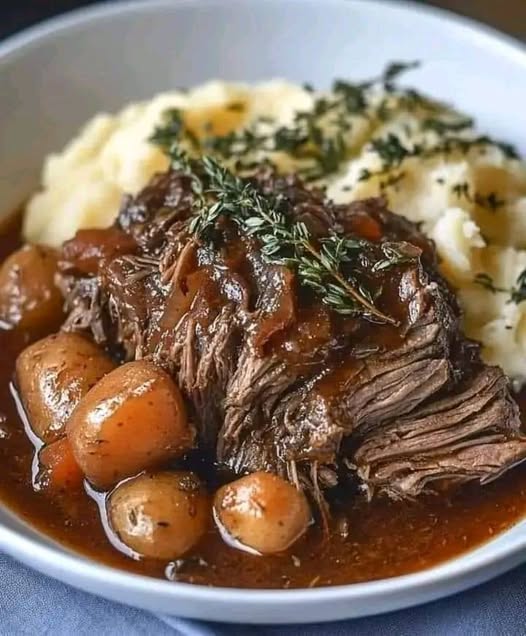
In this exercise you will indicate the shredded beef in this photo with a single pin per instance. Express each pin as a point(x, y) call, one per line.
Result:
point(273, 378)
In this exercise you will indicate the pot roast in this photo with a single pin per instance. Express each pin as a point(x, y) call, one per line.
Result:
point(276, 379)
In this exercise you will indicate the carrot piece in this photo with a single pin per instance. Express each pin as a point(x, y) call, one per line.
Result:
point(58, 467)
point(366, 227)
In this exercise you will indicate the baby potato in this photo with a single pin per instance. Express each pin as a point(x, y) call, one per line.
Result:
point(29, 298)
point(160, 515)
point(53, 374)
point(132, 420)
point(262, 512)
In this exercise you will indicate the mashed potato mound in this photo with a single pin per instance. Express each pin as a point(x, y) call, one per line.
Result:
point(468, 196)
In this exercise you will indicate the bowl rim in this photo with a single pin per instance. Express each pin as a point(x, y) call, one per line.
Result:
point(48, 557)
point(19, 42)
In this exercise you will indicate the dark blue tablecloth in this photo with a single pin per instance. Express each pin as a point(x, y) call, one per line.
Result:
point(34, 604)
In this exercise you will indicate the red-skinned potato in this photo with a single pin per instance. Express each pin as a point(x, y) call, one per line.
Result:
point(134, 419)
point(29, 298)
point(262, 512)
point(53, 375)
point(160, 515)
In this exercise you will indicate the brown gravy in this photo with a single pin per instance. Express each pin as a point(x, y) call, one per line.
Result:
point(384, 538)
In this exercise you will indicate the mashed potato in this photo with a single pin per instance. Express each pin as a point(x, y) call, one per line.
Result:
point(468, 194)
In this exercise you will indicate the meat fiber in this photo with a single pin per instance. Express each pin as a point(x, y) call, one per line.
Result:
point(274, 379)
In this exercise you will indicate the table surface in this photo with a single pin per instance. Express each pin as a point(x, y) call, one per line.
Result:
point(506, 15)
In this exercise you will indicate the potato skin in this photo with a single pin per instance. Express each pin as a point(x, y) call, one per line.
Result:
point(53, 375)
point(262, 512)
point(160, 515)
point(134, 419)
point(29, 298)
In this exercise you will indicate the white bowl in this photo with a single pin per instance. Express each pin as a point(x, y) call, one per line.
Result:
point(55, 76)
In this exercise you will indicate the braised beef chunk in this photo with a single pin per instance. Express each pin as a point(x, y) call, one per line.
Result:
point(277, 380)
point(458, 436)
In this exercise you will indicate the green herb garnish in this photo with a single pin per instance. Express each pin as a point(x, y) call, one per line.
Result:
point(518, 293)
point(485, 280)
point(489, 201)
point(330, 266)
point(441, 126)
point(392, 152)
point(318, 264)
point(461, 190)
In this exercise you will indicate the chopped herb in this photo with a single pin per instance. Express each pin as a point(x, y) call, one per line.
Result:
point(490, 201)
point(234, 143)
point(413, 100)
point(452, 144)
point(391, 151)
point(441, 126)
point(461, 190)
point(485, 280)
point(394, 256)
point(319, 263)
point(518, 292)
point(172, 128)
point(365, 174)
point(353, 95)
point(319, 138)
point(395, 69)
point(391, 180)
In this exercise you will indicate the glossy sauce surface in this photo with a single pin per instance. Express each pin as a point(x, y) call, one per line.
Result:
point(367, 541)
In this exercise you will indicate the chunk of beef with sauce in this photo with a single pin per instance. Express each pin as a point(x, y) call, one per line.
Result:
point(274, 379)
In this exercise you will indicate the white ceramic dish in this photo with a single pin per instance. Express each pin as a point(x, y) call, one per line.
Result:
point(56, 75)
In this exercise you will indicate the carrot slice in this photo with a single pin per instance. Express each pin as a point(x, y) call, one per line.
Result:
point(58, 467)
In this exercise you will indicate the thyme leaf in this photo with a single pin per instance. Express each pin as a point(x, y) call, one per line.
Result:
point(392, 152)
point(169, 131)
point(441, 126)
point(330, 266)
point(394, 70)
point(287, 242)
point(489, 201)
point(319, 138)
point(518, 292)
point(485, 280)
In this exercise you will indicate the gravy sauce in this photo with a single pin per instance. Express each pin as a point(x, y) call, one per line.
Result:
point(368, 540)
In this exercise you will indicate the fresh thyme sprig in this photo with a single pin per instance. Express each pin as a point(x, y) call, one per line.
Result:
point(319, 263)
point(317, 138)
point(285, 241)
